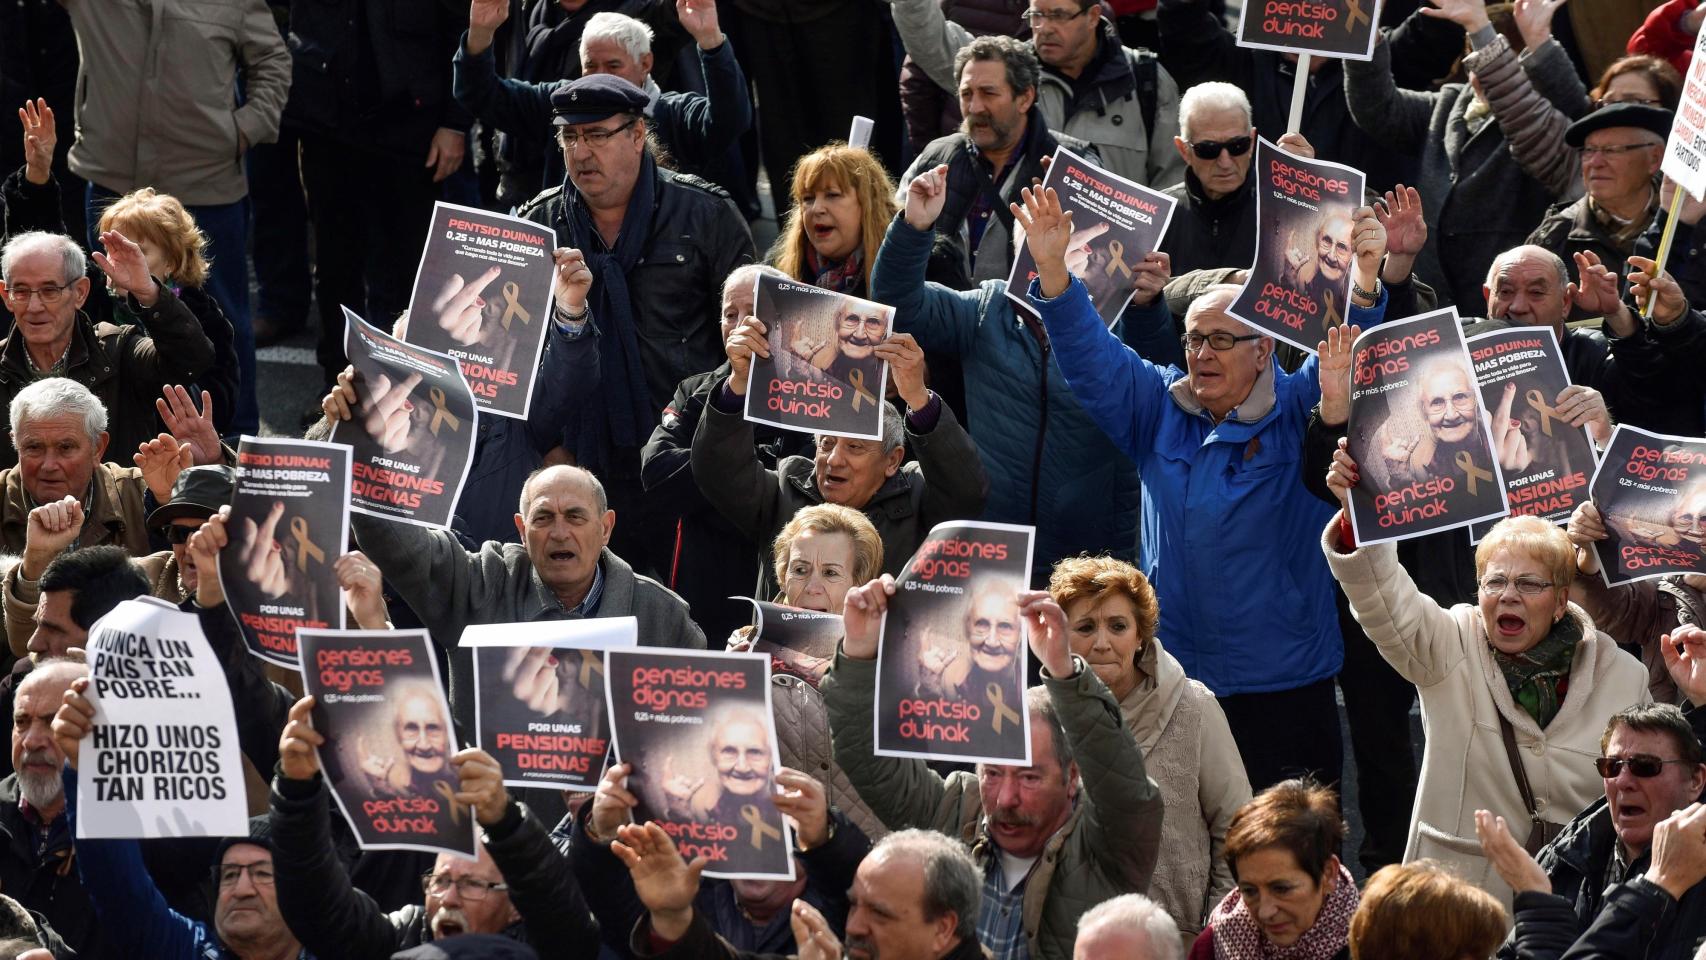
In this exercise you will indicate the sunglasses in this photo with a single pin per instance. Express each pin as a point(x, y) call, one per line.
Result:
point(1210, 149)
point(178, 534)
point(1640, 765)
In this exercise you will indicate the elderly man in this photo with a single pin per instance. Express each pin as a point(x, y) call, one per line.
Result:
point(946, 483)
point(1214, 224)
point(1604, 863)
point(1621, 146)
point(43, 281)
point(660, 244)
point(1128, 927)
point(998, 149)
point(519, 886)
point(695, 129)
point(1050, 838)
point(915, 897)
point(1216, 447)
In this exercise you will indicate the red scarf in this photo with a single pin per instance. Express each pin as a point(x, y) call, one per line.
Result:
point(842, 276)
point(1238, 936)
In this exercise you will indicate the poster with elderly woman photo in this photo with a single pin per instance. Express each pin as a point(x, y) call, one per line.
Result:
point(410, 420)
point(1116, 224)
point(953, 650)
point(1308, 233)
point(823, 365)
point(1418, 433)
point(482, 294)
point(1650, 493)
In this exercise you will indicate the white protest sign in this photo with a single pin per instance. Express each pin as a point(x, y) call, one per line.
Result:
point(162, 758)
point(1685, 153)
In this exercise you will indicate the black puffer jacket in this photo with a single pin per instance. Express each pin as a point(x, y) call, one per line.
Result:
point(1205, 234)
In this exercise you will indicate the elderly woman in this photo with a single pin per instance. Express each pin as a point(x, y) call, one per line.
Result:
point(843, 201)
point(1423, 910)
point(1294, 898)
point(823, 552)
point(1515, 690)
point(1111, 615)
point(1643, 614)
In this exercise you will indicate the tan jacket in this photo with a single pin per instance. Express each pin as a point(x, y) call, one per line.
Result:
point(1464, 767)
point(157, 94)
point(1189, 751)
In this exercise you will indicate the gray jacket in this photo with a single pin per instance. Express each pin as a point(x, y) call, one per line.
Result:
point(450, 588)
point(1108, 845)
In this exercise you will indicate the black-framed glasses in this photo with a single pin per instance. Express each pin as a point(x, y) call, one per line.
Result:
point(1641, 765)
point(1210, 149)
point(1033, 16)
point(176, 534)
point(1221, 341)
point(50, 294)
point(1527, 586)
point(592, 138)
point(260, 873)
point(468, 888)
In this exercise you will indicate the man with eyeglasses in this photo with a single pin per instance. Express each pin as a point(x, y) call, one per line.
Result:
point(519, 887)
point(1120, 101)
point(1610, 863)
point(659, 244)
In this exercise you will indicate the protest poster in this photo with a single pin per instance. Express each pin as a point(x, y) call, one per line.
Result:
point(698, 730)
point(799, 643)
point(289, 523)
point(1685, 151)
point(1651, 493)
point(483, 296)
point(952, 653)
point(1418, 432)
point(1115, 224)
point(411, 432)
point(823, 374)
point(161, 759)
point(379, 704)
point(1300, 284)
point(1547, 463)
point(539, 697)
point(1332, 28)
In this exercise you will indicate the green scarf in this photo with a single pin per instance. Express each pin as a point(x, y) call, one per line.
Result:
point(1539, 677)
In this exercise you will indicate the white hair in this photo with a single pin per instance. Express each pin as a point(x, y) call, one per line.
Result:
point(1211, 96)
point(56, 396)
point(633, 35)
point(40, 241)
point(1136, 912)
point(894, 430)
point(748, 273)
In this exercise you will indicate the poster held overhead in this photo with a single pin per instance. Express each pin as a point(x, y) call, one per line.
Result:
point(1651, 493)
point(952, 651)
point(288, 525)
point(1333, 28)
point(1300, 284)
point(483, 296)
point(823, 374)
point(161, 759)
point(1418, 432)
point(699, 732)
point(411, 431)
point(539, 705)
point(379, 704)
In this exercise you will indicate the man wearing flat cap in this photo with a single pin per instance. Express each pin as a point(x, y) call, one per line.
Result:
point(1621, 146)
point(659, 244)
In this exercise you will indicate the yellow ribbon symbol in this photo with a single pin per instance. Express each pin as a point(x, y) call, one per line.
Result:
point(1002, 710)
point(448, 792)
point(760, 829)
point(1116, 259)
point(440, 414)
point(512, 304)
point(592, 661)
point(1466, 463)
point(857, 380)
point(1333, 318)
point(1353, 14)
point(305, 547)
point(1540, 406)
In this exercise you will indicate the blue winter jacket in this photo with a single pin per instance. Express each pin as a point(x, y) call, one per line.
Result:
point(1231, 539)
point(1078, 489)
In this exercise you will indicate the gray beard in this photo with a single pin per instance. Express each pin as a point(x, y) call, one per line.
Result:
point(41, 790)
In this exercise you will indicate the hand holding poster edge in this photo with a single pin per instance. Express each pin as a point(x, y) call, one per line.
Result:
point(810, 401)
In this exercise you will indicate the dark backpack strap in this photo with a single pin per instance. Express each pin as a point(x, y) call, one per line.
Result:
point(1148, 89)
point(1515, 758)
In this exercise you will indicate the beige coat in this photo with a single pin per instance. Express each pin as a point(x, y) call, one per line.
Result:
point(1190, 753)
point(1464, 767)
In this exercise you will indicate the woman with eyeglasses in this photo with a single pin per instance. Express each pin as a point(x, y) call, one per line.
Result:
point(1515, 689)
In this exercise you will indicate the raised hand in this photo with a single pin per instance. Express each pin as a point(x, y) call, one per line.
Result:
point(40, 137)
point(1513, 864)
point(189, 426)
point(813, 937)
point(1596, 289)
point(803, 800)
point(662, 881)
point(484, 19)
point(1586, 527)
point(1400, 212)
point(1368, 245)
point(748, 339)
point(1048, 235)
point(161, 460)
point(906, 366)
point(386, 414)
point(259, 556)
point(1297, 145)
point(50, 529)
point(482, 782)
point(1343, 474)
point(1534, 21)
point(1471, 15)
point(363, 585)
point(862, 617)
point(572, 279)
point(1684, 651)
point(76, 717)
point(1585, 407)
point(1334, 371)
point(126, 268)
point(925, 196)
point(1046, 623)
point(458, 308)
point(339, 403)
point(612, 804)
point(1645, 280)
point(1149, 277)
point(204, 546)
point(1679, 851)
point(1508, 442)
point(296, 757)
point(699, 19)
